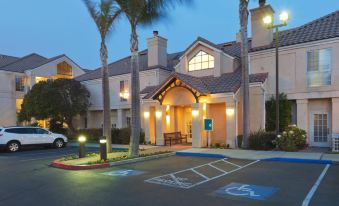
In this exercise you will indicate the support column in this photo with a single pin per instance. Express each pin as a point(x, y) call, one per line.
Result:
point(197, 121)
point(335, 115)
point(119, 118)
point(231, 125)
point(160, 123)
point(146, 123)
point(302, 114)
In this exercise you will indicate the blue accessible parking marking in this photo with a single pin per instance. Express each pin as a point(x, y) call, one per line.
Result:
point(123, 173)
point(249, 191)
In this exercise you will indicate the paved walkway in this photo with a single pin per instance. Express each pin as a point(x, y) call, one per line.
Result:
point(255, 155)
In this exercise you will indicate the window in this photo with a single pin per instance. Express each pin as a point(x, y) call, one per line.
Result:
point(40, 79)
point(64, 69)
point(21, 130)
point(319, 67)
point(200, 61)
point(128, 121)
point(41, 131)
point(18, 103)
point(124, 94)
point(19, 83)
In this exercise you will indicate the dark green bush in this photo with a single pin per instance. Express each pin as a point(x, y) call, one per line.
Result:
point(292, 139)
point(285, 116)
point(239, 140)
point(261, 140)
point(119, 136)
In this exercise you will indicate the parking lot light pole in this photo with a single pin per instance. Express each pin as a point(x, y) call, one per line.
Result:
point(103, 148)
point(268, 21)
point(82, 141)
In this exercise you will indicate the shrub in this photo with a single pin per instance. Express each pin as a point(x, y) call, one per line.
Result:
point(292, 139)
point(261, 140)
point(119, 136)
point(239, 140)
point(285, 116)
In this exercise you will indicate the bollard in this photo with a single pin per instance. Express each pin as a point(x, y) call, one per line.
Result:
point(103, 149)
point(82, 141)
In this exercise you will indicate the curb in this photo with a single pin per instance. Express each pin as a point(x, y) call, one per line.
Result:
point(58, 164)
point(200, 154)
point(297, 160)
point(141, 159)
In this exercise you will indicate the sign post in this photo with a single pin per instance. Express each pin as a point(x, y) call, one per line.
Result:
point(208, 127)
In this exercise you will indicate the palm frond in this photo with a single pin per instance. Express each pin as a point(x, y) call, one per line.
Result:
point(104, 14)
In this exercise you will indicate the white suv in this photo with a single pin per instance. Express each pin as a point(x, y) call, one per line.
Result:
point(13, 138)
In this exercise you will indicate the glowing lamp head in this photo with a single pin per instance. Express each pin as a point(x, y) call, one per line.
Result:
point(284, 16)
point(103, 141)
point(195, 113)
point(82, 139)
point(268, 20)
point(158, 114)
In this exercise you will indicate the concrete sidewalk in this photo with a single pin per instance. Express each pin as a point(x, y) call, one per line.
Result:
point(257, 155)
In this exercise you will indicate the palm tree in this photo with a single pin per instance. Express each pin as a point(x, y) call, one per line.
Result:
point(104, 14)
point(139, 12)
point(243, 14)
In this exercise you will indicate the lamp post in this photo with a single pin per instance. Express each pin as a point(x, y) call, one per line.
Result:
point(268, 21)
point(82, 141)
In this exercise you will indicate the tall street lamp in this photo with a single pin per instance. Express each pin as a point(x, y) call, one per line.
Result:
point(268, 21)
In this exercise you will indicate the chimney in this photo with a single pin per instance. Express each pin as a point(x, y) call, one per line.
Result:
point(157, 50)
point(261, 36)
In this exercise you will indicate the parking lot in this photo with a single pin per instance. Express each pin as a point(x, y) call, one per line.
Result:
point(27, 179)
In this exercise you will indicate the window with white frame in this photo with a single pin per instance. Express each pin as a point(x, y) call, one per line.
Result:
point(200, 61)
point(19, 83)
point(319, 67)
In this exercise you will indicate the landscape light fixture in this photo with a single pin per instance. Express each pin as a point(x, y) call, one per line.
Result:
point(82, 142)
point(103, 148)
point(268, 21)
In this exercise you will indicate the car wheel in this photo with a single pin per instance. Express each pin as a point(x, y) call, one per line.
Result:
point(59, 143)
point(13, 146)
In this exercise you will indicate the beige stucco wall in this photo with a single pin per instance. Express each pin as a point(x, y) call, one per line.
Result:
point(293, 70)
point(222, 63)
point(147, 78)
point(7, 99)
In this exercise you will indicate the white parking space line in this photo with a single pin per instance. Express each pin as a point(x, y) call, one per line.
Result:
point(310, 194)
point(175, 179)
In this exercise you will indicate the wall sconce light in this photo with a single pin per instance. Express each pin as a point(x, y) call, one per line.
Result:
point(230, 111)
point(167, 108)
point(158, 114)
point(146, 115)
point(195, 113)
point(204, 106)
point(168, 119)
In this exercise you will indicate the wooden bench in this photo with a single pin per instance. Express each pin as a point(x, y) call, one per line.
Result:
point(174, 138)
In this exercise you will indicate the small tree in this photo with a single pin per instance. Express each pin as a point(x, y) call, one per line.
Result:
point(284, 110)
point(58, 100)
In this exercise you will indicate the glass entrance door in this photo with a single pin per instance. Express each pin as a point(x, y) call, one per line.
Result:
point(319, 130)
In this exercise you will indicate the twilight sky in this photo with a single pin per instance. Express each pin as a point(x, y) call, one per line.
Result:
point(53, 27)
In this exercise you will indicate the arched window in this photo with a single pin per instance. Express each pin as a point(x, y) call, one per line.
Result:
point(200, 61)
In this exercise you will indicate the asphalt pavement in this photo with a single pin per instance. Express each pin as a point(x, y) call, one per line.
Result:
point(26, 178)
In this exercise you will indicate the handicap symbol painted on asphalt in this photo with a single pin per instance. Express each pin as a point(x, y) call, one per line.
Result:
point(123, 173)
point(249, 191)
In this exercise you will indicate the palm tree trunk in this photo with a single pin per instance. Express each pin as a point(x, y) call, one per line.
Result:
point(106, 96)
point(135, 101)
point(243, 13)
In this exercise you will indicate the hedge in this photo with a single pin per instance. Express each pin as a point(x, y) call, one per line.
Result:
point(119, 136)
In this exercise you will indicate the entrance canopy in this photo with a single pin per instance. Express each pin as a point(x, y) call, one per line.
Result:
point(176, 80)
